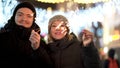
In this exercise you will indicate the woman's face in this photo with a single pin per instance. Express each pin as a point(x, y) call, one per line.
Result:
point(58, 30)
point(24, 17)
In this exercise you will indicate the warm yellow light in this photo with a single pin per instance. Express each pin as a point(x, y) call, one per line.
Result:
point(77, 1)
point(89, 1)
point(51, 1)
point(115, 37)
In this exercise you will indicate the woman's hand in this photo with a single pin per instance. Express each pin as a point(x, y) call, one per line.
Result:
point(87, 37)
point(35, 40)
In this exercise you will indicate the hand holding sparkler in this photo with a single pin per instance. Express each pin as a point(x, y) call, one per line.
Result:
point(35, 39)
point(87, 37)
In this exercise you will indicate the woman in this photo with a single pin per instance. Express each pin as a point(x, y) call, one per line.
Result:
point(65, 49)
point(21, 44)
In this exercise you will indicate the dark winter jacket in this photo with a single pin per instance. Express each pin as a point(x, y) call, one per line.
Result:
point(16, 50)
point(71, 54)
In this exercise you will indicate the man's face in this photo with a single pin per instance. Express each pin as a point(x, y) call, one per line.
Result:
point(24, 17)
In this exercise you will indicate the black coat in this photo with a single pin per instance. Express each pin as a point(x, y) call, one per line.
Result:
point(71, 54)
point(16, 50)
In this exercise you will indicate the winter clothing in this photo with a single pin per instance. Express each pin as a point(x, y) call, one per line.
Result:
point(15, 47)
point(24, 5)
point(71, 54)
point(16, 50)
point(66, 51)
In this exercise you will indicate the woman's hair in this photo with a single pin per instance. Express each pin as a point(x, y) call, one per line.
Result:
point(58, 18)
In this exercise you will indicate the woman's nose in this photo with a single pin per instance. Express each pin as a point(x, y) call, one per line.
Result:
point(58, 27)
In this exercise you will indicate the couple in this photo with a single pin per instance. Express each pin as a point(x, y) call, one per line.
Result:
point(22, 45)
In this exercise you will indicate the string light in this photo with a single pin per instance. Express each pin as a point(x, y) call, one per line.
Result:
point(76, 1)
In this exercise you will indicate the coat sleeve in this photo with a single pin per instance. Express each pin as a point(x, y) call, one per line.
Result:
point(43, 55)
point(105, 64)
point(91, 57)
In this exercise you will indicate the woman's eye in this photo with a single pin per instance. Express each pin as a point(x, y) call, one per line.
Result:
point(62, 25)
point(29, 16)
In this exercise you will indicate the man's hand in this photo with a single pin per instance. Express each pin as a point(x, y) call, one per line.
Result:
point(35, 40)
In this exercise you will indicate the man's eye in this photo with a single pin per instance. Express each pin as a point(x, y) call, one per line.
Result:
point(19, 14)
point(29, 16)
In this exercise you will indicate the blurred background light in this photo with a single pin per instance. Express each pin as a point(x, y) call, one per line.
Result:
point(79, 15)
point(105, 49)
point(76, 1)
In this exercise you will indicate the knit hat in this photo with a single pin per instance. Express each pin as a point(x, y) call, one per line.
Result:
point(26, 5)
